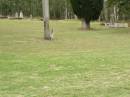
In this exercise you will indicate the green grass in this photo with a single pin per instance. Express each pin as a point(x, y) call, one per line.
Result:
point(76, 63)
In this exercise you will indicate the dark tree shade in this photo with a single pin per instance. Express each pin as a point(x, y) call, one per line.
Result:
point(87, 9)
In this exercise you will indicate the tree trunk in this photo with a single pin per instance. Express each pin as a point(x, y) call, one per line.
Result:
point(85, 25)
point(47, 33)
point(66, 10)
point(66, 13)
point(106, 11)
point(115, 13)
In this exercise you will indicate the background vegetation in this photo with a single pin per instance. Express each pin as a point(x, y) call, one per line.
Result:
point(60, 9)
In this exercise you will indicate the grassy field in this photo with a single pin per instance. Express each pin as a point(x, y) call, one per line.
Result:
point(76, 63)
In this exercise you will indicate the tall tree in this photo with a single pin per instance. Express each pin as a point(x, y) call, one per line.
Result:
point(47, 33)
point(87, 10)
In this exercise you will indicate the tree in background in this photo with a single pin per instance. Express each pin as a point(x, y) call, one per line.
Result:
point(120, 9)
point(59, 9)
point(87, 10)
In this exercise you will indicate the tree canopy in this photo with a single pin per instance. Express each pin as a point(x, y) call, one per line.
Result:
point(87, 9)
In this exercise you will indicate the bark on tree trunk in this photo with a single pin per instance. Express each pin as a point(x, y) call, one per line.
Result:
point(85, 25)
point(47, 33)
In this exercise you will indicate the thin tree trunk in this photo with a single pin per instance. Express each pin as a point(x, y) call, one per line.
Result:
point(66, 10)
point(47, 33)
point(85, 25)
point(115, 14)
point(106, 11)
point(66, 13)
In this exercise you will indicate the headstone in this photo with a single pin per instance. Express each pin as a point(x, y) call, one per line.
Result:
point(75, 17)
point(21, 15)
point(16, 15)
point(117, 25)
point(31, 16)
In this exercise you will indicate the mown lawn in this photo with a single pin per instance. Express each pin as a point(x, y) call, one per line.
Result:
point(76, 63)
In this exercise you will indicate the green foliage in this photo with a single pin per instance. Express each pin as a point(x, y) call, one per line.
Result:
point(59, 8)
point(34, 8)
point(87, 9)
point(10, 7)
point(123, 6)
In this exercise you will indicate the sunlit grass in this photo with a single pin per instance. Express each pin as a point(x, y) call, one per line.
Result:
point(76, 63)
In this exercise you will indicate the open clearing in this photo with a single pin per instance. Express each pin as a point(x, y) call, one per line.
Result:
point(76, 63)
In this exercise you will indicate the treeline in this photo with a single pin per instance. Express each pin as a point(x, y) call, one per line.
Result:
point(28, 7)
point(61, 9)
point(115, 10)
